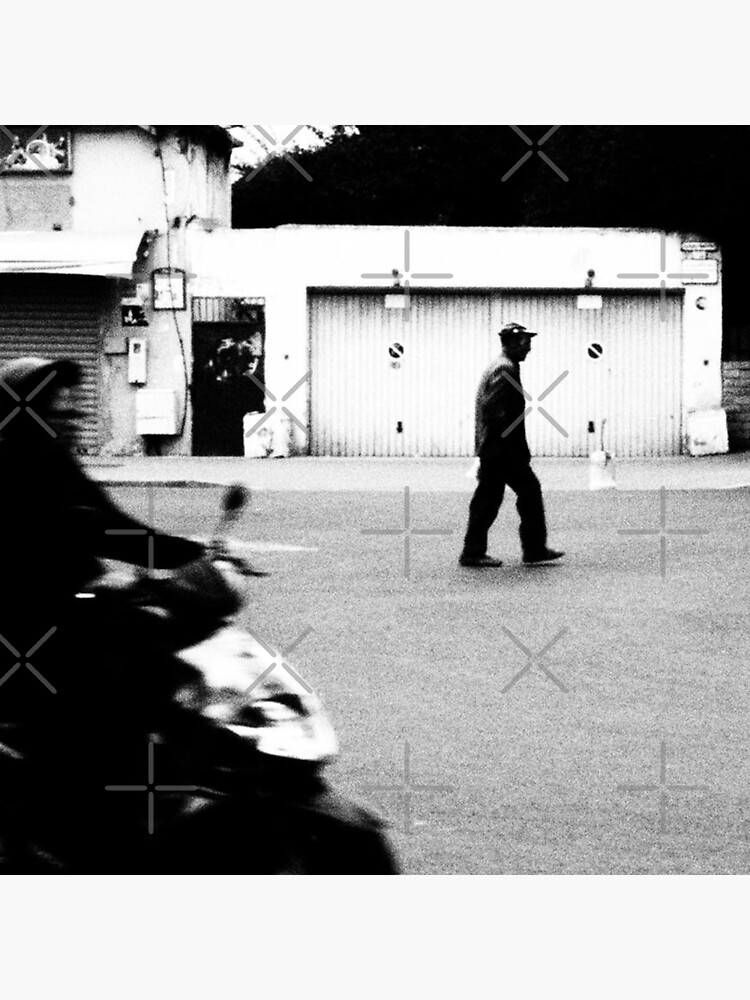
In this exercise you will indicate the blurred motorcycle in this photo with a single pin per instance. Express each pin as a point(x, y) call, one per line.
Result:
point(257, 737)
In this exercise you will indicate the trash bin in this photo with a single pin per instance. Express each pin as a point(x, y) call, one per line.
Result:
point(707, 432)
point(266, 435)
point(257, 435)
point(601, 471)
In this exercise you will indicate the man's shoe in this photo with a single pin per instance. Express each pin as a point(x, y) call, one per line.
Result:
point(486, 562)
point(546, 555)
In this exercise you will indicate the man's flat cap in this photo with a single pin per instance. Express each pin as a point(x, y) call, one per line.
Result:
point(513, 330)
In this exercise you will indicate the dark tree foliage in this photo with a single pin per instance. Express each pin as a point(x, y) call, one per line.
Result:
point(675, 177)
point(687, 178)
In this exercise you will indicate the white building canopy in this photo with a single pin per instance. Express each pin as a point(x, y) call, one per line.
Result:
point(103, 254)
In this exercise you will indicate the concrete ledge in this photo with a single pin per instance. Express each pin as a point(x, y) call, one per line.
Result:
point(424, 475)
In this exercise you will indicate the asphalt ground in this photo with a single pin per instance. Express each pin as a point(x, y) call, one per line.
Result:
point(584, 717)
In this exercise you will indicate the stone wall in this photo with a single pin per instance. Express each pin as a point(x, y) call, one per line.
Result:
point(736, 401)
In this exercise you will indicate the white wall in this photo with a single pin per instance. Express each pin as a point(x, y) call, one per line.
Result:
point(282, 264)
point(117, 181)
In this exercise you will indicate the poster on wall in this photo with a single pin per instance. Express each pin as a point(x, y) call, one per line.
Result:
point(169, 290)
point(133, 314)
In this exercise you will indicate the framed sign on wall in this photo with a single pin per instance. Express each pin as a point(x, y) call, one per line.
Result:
point(169, 288)
point(32, 149)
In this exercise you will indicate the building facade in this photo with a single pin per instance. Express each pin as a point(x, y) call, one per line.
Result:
point(93, 229)
point(375, 337)
point(116, 250)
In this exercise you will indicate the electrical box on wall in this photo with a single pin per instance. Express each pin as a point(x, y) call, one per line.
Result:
point(155, 411)
point(137, 360)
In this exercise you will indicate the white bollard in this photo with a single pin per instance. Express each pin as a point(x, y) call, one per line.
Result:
point(601, 471)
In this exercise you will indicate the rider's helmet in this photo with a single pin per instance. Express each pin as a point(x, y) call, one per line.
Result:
point(34, 390)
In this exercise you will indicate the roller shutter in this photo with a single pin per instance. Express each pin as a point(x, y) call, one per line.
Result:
point(624, 365)
point(52, 317)
point(382, 385)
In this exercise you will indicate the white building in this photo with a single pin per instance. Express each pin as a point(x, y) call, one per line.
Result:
point(93, 220)
point(384, 333)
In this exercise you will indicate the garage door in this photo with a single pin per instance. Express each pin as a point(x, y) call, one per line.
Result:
point(387, 381)
point(624, 365)
point(385, 385)
point(52, 317)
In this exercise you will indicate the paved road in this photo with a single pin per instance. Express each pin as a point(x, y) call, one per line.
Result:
point(584, 717)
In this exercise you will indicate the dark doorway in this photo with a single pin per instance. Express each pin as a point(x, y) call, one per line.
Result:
point(225, 355)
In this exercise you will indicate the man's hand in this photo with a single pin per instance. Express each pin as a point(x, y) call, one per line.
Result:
point(205, 587)
point(221, 552)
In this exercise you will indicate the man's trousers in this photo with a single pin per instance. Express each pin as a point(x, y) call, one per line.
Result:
point(493, 476)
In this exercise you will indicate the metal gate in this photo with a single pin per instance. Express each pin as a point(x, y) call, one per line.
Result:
point(624, 365)
point(228, 371)
point(52, 317)
point(395, 381)
point(401, 381)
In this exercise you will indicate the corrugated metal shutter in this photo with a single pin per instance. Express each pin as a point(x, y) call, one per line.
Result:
point(446, 340)
point(53, 317)
point(635, 384)
point(361, 395)
point(351, 394)
point(220, 309)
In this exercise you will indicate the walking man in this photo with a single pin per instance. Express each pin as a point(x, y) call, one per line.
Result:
point(504, 458)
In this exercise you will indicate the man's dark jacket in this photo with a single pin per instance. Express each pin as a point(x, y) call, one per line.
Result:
point(499, 405)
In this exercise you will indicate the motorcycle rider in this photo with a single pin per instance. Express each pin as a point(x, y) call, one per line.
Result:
point(64, 702)
point(95, 696)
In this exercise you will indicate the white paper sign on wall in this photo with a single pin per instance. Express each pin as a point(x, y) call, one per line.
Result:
point(396, 301)
point(700, 272)
point(590, 301)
